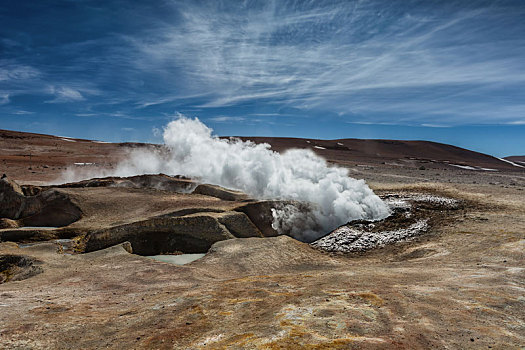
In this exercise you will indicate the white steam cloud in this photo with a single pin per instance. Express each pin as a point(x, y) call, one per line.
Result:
point(328, 195)
point(334, 198)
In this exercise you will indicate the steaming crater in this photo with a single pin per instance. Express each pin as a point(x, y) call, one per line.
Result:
point(326, 196)
point(413, 214)
point(331, 197)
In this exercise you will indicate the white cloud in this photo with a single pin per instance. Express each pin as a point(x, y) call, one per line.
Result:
point(332, 57)
point(428, 125)
point(10, 72)
point(268, 114)
point(4, 99)
point(64, 94)
point(226, 119)
point(365, 61)
point(156, 132)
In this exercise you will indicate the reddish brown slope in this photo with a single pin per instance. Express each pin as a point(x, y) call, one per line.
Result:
point(37, 157)
point(517, 159)
point(378, 151)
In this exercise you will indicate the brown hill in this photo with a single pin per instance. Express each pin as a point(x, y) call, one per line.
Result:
point(40, 158)
point(437, 155)
point(517, 159)
point(30, 157)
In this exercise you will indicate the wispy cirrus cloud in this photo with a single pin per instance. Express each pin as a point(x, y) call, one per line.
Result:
point(64, 94)
point(16, 79)
point(4, 99)
point(371, 61)
point(344, 56)
point(226, 119)
point(22, 112)
point(13, 72)
point(21, 79)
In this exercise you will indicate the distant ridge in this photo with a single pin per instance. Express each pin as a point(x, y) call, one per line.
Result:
point(382, 151)
point(516, 159)
point(41, 157)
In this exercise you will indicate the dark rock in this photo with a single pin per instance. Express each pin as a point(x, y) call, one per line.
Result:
point(158, 182)
point(26, 235)
point(194, 233)
point(260, 213)
point(238, 224)
point(220, 192)
point(110, 215)
point(47, 208)
point(30, 190)
point(8, 223)
point(18, 267)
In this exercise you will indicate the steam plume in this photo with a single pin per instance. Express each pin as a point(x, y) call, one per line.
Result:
point(333, 198)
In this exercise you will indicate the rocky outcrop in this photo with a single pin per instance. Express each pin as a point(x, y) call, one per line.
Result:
point(57, 210)
point(220, 192)
point(238, 224)
point(8, 223)
point(260, 213)
point(49, 207)
point(34, 234)
point(193, 233)
point(12, 199)
point(155, 213)
point(412, 215)
point(18, 267)
point(159, 182)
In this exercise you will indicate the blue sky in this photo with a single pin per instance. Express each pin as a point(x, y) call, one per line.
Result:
point(448, 71)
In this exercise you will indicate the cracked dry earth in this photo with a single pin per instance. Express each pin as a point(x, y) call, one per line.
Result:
point(459, 286)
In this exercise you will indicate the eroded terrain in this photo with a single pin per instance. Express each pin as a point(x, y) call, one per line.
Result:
point(458, 284)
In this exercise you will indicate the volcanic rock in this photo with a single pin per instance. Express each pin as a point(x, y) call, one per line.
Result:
point(220, 192)
point(238, 224)
point(12, 198)
point(8, 223)
point(260, 213)
point(194, 233)
point(18, 267)
point(48, 208)
point(412, 216)
point(158, 182)
point(154, 213)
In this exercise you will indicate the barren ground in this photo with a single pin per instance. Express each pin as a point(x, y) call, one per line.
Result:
point(460, 286)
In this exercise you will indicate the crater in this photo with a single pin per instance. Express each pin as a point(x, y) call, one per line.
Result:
point(160, 214)
point(413, 214)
